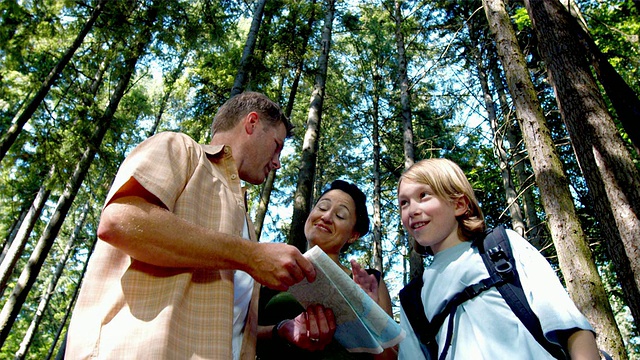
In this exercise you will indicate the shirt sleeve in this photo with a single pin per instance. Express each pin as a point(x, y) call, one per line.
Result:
point(162, 164)
point(546, 294)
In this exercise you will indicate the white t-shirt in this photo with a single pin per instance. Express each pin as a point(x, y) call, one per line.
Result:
point(485, 327)
point(242, 291)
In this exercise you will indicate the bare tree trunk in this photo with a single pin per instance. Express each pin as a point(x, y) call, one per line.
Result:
point(265, 195)
point(13, 231)
point(304, 190)
point(67, 313)
point(574, 256)
point(22, 237)
point(247, 53)
point(498, 134)
point(50, 287)
point(416, 264)
point(12, 133)
point(29, 274)
point(170, 85)
point(534, 230)
point(377, 221)
point(624, 99)
point(610, 173)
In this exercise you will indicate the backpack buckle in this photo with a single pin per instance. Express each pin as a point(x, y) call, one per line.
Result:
point(472, 291)
point(500, 261)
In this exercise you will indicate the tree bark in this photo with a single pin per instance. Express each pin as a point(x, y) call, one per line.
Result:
point(265, 194)
point(416, 263)
point(623, 98)
point(377, 221)
point(50, 286)
point(304, 189)
point(574, 256)
point(499, 150)
point(14, 252)
point(247, 53)
point(29, 274)
point(611, 175)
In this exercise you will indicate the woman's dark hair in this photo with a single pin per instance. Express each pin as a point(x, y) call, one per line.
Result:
point(359, 198)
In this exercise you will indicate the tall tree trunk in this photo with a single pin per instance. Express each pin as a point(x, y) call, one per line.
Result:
point(20, 120)
point(14, 251)
point(611, 175)
point(624, 99)
point(29, 274)
point(377, 220)
point(416, 264)
point(50, 286)
point(69, 309)
point(524, 178)
point(499, 150)
point(247, 53)
point(304, 189)
point(574, 256)
point(13, 231)
point(265, 194)
point(170, 84)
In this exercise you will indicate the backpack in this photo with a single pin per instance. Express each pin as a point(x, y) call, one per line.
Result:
point(495, 249)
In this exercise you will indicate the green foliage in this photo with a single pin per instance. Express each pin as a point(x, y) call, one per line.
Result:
point(188, 72)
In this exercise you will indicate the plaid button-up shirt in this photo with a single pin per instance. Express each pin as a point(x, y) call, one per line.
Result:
point(128, 309)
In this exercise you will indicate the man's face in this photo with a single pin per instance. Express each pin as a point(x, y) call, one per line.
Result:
point(263, 154)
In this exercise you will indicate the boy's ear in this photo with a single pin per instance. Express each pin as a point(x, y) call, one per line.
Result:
point(461, 205)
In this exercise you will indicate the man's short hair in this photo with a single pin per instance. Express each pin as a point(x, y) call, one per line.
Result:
point(237, 107)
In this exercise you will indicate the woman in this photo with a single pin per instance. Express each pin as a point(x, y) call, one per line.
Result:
point(337, 220)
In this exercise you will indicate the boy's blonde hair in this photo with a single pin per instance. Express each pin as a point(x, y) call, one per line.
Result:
point(447, 181)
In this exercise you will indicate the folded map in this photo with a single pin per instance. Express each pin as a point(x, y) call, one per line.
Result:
point(362, 325)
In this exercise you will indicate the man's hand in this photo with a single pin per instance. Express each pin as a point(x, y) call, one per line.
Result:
point(312, 330)
point(279, 266)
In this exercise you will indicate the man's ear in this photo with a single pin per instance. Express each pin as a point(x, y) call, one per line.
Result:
point(250, 122)
point(461, 205)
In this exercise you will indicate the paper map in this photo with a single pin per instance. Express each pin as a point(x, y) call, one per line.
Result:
point(362, 325)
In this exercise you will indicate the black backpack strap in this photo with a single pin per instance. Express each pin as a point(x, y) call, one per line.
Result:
point(411, 302)
point(497, 255)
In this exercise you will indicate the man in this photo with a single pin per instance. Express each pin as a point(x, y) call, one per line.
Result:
point(172, 275)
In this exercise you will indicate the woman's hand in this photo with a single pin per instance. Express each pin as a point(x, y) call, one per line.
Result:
point(312, 330)
point(367, 282)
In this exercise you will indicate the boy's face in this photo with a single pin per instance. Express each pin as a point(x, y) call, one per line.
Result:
point(430, 219)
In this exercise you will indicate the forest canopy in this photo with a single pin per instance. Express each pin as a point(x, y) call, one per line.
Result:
point(536, 100)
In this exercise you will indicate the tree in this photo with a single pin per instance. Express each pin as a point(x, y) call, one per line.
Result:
point(247, 53)
point(478, 54)
point(12, 307)
point(265, 194)
point(12, 133)
point(574, 256)
point(304, 190)
point(611, 175)
point(416, 266)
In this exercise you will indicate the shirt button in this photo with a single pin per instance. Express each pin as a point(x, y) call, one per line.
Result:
point(226, 150)
point(233, 176)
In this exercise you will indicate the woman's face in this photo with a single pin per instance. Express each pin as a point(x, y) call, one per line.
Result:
point(331, 222)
